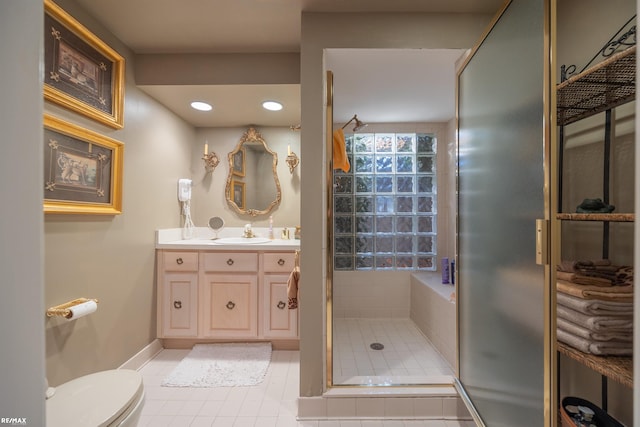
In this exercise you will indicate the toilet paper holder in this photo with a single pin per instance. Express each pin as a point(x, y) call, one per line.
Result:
point(64, 310)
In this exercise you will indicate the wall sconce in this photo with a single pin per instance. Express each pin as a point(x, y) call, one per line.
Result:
point(211, 160)
point(292, 160)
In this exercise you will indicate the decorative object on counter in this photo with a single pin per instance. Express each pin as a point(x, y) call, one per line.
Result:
point(296, 234)
point(292, 160)
point(249, 162)
point(285, 234)
point(594, 206)
point(271, 227)
point(248, 231)
point(211, 160)
point(74, 309)
point(216, 223)
point(82, 170)
point(82, 73)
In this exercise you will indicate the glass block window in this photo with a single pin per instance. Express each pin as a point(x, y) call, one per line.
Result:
point(384, 208)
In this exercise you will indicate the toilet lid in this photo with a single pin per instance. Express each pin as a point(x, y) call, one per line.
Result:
point(94, 399)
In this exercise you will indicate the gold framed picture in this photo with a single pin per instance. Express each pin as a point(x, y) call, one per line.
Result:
point(238, 196)
point(81, 73)
point(82, 170)
point(238, 162)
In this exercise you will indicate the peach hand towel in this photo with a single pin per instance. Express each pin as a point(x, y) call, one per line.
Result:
point(340, 159)
point(292, 288)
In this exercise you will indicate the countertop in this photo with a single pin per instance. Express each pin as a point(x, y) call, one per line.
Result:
point(203, 239)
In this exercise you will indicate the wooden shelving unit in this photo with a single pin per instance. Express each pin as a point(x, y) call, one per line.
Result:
point(619, 369)
point(606, 85)
point(600, 88)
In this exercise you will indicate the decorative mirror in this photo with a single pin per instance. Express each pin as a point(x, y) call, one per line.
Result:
point(216, 223)
point(253, 187)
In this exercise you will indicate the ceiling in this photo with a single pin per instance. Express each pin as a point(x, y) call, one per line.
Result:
point(273, 26)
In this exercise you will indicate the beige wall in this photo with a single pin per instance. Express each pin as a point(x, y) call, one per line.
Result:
point(112, 257)
point(22, 306)
point(320, 31)
point(209, 189)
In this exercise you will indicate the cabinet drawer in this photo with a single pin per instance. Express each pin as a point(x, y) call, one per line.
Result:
point(231, 261)
point(180, 261)
point(279, 262)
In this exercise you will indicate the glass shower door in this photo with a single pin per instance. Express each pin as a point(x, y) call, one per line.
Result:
point(503, 292)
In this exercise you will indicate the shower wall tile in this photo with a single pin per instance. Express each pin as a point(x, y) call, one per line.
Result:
point(371, 294)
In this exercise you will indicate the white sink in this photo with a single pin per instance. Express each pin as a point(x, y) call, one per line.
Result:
point(241, 240)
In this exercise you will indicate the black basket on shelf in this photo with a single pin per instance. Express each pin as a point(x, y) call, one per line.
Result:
point(600, 419)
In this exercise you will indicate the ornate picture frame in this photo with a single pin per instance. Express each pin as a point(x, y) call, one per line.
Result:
point(239, 163)
point(238, 193)
point(82, 170)
point(81, 73)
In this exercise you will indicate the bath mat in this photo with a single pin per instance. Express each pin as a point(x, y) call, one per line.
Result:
point(222, 365)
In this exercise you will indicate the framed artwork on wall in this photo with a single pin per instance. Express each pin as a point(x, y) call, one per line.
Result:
point(81, 73)
point(238, 163)
point(82, 170)
point(238, 195)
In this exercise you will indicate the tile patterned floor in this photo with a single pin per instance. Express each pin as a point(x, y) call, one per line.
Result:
point(408, 356)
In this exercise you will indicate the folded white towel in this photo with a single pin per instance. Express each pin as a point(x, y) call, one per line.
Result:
point(596, 323)
point(565, 325)
point(595, 306)
point(607, 348)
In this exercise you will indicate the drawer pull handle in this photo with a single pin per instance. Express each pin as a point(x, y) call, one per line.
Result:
point(179, 261)
point(281, 305)
point(280, 262)
point(229, 261)
point(177, 305)
point(231, 305)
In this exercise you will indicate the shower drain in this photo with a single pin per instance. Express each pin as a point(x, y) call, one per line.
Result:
point(377, 346)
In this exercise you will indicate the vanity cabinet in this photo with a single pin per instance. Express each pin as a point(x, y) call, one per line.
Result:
point(230, 295)
point(225, 295)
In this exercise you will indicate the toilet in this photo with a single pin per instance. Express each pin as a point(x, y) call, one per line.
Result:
point(112, 398)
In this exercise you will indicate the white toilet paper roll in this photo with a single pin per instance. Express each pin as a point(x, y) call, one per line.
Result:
point(82, 309)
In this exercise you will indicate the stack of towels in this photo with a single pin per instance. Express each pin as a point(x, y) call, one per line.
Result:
point(595, 307)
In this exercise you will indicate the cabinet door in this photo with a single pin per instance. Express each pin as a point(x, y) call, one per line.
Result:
point(230, 306)
point(278, 320)
point(179, 309)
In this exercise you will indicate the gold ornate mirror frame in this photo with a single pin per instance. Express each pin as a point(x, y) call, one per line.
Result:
point(239, 176)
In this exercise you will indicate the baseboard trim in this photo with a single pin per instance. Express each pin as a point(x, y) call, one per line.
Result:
point(143, 356)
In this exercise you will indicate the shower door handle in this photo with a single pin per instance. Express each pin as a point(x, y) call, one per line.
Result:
point(542, 241)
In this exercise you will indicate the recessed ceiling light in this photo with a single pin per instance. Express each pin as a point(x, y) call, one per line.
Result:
point(272, 105)
point(202, 106)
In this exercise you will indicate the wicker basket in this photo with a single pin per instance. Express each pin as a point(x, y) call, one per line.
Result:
point(601, 418)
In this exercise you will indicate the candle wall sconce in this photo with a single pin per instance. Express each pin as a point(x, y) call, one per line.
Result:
point(292, 161)
point(210, 161)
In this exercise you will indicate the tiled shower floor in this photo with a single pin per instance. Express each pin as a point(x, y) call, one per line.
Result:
point(408, 357)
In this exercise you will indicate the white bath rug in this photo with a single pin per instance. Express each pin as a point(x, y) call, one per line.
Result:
point(222, 365)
